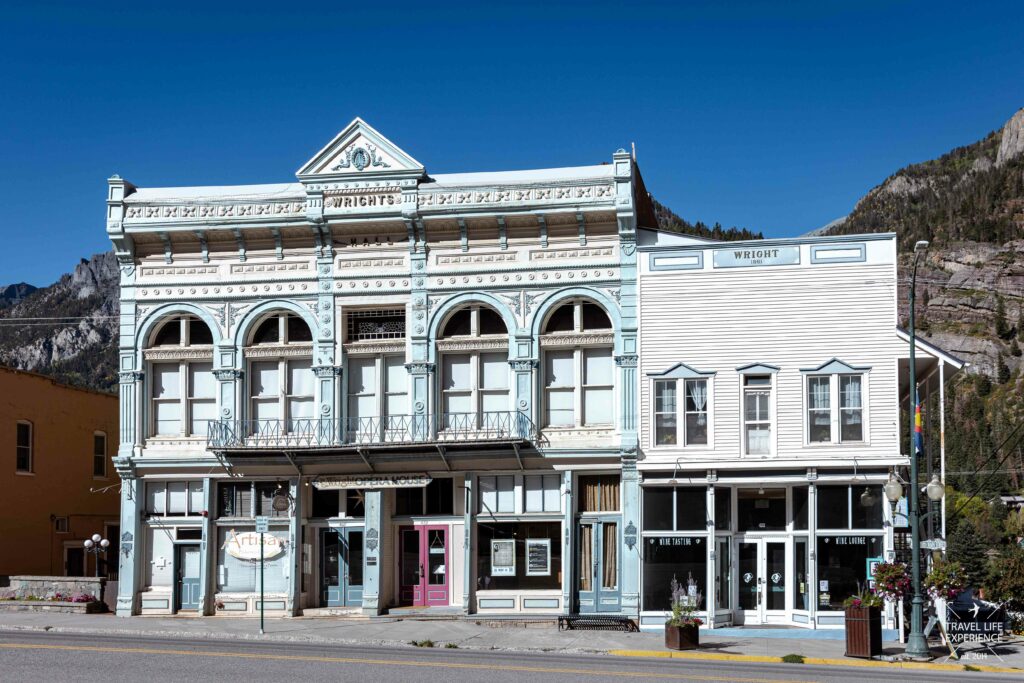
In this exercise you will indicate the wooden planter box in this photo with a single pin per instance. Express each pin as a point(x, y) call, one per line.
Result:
point(682, 637)
point(863, 632)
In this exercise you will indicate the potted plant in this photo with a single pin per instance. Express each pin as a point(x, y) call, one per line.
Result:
point(863, 624)
point(682, 630)
point(945, 581)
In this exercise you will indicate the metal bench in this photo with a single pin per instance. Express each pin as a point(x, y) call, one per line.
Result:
point(592, 622)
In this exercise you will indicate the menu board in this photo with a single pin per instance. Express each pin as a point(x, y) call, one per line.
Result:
point(503, 557)
point(538, 557)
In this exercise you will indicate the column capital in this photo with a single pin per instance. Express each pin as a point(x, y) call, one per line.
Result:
point(523, 364)
point(130, 376)
point(228, 374)
point(419, 368)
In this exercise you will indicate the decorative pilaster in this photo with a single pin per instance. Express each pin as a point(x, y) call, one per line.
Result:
point(569, 533)
point(129, 390)
point(131, 528)
point(420, 375)
point(522, 369)
point(710, 594)
point(294, 605)
point(328, 380)
point(812, 560)
point(207, 551)
point(468, 541)
point(228, 389)
point(629, 406)
point(631, 522)
point(372, 552)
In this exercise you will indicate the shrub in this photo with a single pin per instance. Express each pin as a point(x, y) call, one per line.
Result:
point(793, 659)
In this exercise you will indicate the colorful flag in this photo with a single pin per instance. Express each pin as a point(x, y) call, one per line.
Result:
point(918, 435)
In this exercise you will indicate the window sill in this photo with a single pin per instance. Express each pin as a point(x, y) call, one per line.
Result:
point(22, 473)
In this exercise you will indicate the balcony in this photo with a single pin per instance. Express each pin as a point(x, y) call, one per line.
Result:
point(371, 432)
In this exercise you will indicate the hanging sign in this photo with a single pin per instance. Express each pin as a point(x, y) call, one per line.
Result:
point(758, 256)
point(373, 481)
point(538, 557)
point(246, 545)
point(503, 557)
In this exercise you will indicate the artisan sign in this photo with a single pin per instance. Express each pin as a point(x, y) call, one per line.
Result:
point(975, 622)
point(246, 545)
point(373, 481)
point(759, 256)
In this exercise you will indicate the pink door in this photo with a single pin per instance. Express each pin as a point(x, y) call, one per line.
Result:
point(423, 570)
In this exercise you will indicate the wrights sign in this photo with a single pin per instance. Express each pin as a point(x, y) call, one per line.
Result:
point(759, 256)
point(373, 481)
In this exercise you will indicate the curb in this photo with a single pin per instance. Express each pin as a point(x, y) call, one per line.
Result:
point(763, 659)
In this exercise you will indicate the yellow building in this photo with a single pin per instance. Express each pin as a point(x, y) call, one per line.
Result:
point(59, 483)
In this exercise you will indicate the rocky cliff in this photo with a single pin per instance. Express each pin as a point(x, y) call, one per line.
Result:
point(69, 329)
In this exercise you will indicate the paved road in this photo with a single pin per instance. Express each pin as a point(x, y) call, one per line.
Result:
point(64, 657)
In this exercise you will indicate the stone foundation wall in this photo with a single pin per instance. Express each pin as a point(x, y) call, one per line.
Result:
point(47, 586)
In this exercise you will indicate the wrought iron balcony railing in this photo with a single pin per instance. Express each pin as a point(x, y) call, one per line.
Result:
point(320, 433)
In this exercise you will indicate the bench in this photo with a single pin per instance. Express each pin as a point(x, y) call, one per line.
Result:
point(612, 622)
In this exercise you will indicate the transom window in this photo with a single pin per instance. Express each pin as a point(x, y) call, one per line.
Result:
point(757, 418)
point(174, 499)
point(693, 409)
point(183, 392)
point(507, 493)
point(835, 408)
point(282, 328)
point(578, 368)
point(474, 369)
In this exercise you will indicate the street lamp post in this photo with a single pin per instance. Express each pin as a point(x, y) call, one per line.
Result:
point(917, 645)
point(96, 545)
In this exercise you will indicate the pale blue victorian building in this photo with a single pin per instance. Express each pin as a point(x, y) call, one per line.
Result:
point(426, 383)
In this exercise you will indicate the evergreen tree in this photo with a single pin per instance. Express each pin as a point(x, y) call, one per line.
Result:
point(967, 547)
point(1020, 323)
point(1002, 370)
point(1002, 327)
point(984, 384)
point(1015, 349)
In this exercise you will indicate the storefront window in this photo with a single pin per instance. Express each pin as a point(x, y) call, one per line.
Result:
point(681, 557)
point(675, 509)
point(519, 555)
point(238, 575)
point(833, 507)
point(658, 508)
point(723, 509)
point(850, 507)
point(842, 565)
point(761, 509)
point(599, 493)
point(866, 508)
point(802, 590)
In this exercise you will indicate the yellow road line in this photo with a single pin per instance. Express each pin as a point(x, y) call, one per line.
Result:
point(387, 662)
point(725, 657)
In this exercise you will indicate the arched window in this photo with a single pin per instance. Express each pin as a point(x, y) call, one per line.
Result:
point(577, 342)
point(281, 381)
point(474, 377)
point(183, 392)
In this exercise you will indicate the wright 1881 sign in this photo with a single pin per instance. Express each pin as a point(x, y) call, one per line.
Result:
point(983, 623)
point(758, 256)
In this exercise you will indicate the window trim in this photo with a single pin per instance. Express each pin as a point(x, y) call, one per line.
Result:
point(31, 448)
point(57, 523)
point(681, 412)
point(103, 455)
point(835, 374)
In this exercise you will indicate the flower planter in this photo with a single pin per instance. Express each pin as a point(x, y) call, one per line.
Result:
point(863, 632)
point(682, 637)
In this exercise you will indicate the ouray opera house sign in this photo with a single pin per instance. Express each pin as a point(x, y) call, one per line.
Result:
point(373, 481)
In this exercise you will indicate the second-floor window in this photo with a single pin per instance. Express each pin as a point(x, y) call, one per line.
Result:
point(692, 429)
point(578, 369)
point(378, 394)
point(474, 369)
point(281, 381)
point(99, 455)
point(23, 447)
point(757, 418)
point(183, 392)
point(835, 408)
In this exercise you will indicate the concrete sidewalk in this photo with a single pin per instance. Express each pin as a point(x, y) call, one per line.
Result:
point(468, 634)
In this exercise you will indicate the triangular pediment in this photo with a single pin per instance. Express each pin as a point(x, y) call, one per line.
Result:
point(360, 151)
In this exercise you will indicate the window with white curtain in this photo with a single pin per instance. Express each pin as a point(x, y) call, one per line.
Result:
point(474, 369)
point(835, 408)
point(757, 419)
point(693, 420)
point(579, 375)
point(183, 391)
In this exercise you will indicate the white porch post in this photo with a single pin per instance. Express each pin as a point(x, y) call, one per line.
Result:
point(942, 437)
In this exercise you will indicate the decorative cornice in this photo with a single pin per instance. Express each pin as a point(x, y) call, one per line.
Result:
point(178, 353)
point(268, 268)
point(155, 212)
point(375, 347)
point(576, 339)
point(472, 344)
point(279, 351)
point(488, 257)
point(177, 271)
point(375, 263)
point(569, 194)
point(626, 361)
point(574, 253)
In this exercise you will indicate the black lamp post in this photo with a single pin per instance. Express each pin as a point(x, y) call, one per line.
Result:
point(96, 545)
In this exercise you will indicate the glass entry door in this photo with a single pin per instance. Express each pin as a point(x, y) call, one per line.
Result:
point(423, 566)
point(597, 566)
point(762, 579)
point(341, 567)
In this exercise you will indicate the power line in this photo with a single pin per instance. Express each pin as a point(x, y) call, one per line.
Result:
point(982, 485)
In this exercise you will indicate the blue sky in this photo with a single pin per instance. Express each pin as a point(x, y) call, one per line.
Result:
point(775, 116)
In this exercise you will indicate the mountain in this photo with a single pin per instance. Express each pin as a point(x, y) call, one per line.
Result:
point(69, 329)
point(668, 220)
